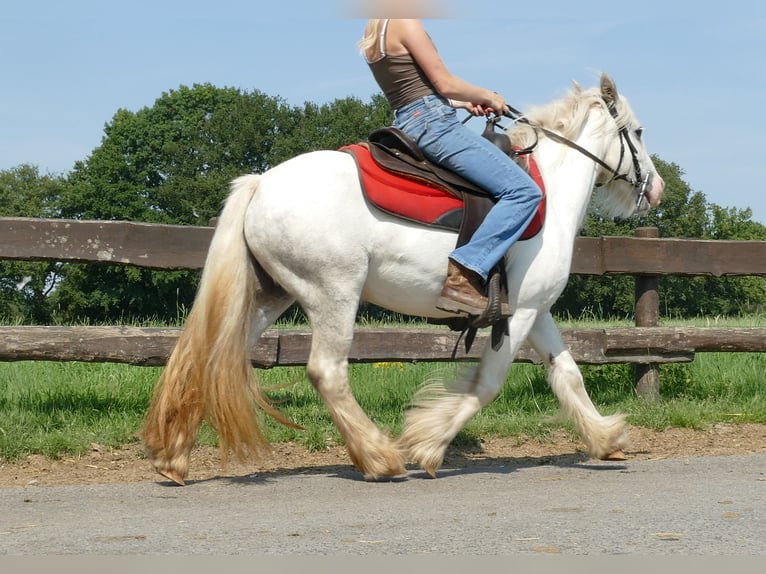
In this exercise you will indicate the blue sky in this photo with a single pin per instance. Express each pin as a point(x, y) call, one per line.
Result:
point(696, 76)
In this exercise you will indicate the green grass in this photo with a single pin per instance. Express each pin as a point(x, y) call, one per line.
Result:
point(63, 408)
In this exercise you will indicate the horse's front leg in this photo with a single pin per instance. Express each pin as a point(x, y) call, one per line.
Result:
point(371, 451)
point(604, 436)
point(440, 409)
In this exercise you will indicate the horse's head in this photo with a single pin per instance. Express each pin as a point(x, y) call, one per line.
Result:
point(628, 182)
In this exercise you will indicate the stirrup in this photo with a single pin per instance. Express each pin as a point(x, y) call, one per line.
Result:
point(494, 311)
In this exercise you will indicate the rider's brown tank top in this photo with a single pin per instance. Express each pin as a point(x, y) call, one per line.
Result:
point(400, 77)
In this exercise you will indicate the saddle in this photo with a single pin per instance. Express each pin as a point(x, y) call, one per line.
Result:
point(397, 178)
point(396, 152)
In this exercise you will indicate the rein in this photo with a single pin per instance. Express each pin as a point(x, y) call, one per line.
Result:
point(640, 184)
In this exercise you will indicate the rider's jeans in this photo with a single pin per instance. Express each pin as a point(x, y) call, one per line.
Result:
point(433, 124)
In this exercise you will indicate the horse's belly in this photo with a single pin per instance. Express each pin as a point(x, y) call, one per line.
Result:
point(407, 270)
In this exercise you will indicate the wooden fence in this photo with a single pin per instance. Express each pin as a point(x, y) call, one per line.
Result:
point(184, 247)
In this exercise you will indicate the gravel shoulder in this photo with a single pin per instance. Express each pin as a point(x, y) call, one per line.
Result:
point(103, 465)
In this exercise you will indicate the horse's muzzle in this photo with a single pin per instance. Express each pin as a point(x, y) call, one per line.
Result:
point(650, 192)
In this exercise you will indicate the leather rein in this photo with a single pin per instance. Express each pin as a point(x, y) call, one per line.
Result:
point(640, 184)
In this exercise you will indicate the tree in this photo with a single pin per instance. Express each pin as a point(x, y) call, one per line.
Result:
point(172, 163)
point(169, 163)
point(25, 286)
point(330, 126)
point(686, 214)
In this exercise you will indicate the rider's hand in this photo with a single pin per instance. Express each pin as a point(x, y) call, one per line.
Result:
point(476, 109)
point(495, 104)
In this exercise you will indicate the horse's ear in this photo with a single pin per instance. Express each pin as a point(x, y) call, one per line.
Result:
point(608, 89)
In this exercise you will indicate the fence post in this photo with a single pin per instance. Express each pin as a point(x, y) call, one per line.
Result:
point(647, 376)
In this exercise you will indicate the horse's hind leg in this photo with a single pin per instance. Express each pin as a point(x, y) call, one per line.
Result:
point(371, 451)
point(604, 436)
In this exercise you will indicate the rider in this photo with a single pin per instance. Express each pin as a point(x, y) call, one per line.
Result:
point(424, 95)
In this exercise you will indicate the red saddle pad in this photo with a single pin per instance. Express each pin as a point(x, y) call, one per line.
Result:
point(424, 202)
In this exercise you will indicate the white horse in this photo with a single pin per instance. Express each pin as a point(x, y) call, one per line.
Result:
point(303, 232)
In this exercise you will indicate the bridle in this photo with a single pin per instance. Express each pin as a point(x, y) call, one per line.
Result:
point(640, 183)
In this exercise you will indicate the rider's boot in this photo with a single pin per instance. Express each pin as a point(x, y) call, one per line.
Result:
point(463, 291)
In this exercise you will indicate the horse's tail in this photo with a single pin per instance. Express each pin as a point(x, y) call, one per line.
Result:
point(209, 375)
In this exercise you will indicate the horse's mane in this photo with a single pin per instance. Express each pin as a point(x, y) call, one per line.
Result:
point(565, 116)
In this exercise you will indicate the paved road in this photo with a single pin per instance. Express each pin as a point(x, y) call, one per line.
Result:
point(707, 505)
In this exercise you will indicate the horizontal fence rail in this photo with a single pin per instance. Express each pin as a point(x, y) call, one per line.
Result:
point(120, 242)
point(185, 247)
point(152, 346)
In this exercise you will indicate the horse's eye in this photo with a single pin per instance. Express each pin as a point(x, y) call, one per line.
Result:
point(639, 132)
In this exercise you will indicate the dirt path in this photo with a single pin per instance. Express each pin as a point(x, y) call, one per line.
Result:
point(103, 465)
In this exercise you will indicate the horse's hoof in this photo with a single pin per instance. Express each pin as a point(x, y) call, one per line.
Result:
point(173, 475)
point(393, 477)
point(616, 455)
point(394, 471)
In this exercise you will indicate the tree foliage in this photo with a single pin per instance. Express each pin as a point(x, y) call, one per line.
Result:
point(25, 286)
point(683, 213)
point(172, 163)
